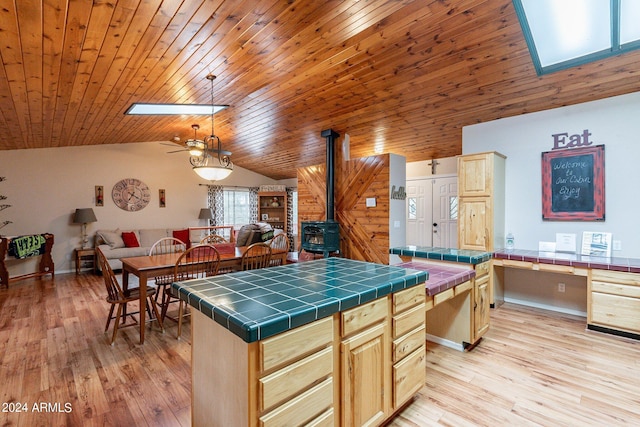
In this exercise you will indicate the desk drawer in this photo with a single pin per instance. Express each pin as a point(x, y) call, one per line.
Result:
point(631, 279)
point(614, 311)
point(615, 289)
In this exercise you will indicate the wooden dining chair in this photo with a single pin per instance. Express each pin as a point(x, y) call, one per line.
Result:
point(166, 245)
point(213, 239)
point(197, 262)
point(279, 249)
point(116, 296)
point(256, 256)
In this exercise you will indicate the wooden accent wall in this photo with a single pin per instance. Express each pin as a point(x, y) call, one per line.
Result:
point(364, 232)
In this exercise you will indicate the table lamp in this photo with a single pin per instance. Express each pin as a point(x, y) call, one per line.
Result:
point(84, 216)
point(206, 213)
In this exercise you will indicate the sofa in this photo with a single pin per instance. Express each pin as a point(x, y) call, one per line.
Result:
point(254, 233)
point(116, 244)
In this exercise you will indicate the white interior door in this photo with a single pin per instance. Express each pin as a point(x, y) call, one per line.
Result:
point(432, 212)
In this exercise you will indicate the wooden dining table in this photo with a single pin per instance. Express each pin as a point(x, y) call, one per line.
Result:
point(150, 266)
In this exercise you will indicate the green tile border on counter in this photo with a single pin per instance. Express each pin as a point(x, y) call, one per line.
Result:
point(465, 256)
point(258, 304)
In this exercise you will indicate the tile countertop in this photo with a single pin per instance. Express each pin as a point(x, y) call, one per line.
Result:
point(441, 277)
point(629, 265)
point(465, 256)
point(258, 304)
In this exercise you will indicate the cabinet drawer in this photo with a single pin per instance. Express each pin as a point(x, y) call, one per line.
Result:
point(632, 279)
point(408, 298)
point(303, 408)
point(615, 311)
point(326, 419)
point(290, 380)
point(615, 289)
point(362, 316)
point(408, 376)
point(289, 346)
point(410, 319)
point(443, 296)
point(463, 287)
point(408, 343)
point(482, 269)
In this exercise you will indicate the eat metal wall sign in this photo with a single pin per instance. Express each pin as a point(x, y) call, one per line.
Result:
point(564, 140)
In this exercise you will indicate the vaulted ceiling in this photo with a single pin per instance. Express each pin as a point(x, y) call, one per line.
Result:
point(397, 76)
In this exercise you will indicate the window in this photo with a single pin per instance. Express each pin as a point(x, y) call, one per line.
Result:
point(453, 207)
point(236, 206)
point(566, 33)
point(412, 210)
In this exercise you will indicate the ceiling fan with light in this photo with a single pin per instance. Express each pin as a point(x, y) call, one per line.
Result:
point(208, 159)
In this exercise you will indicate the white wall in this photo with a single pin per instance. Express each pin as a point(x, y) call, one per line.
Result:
point(422, 169)
point(613, 122)
point(397, 208)
point(45, 186)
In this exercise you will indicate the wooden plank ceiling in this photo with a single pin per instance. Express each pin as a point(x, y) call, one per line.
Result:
point(397, 76)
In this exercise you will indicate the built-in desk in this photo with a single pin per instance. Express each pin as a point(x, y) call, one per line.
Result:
point(613, 284)
point(457, 309)
point(324, 342)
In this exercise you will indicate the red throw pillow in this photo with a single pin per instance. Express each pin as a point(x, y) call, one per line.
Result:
point(183, 235)
point(130, 240)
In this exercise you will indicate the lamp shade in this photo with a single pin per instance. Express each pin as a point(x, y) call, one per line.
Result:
point(84, 216)
point(205, 213)
point(212, 173)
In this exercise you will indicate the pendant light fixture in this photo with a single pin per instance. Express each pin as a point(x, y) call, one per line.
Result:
point(213, 163)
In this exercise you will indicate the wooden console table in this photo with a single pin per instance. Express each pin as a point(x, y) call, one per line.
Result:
point(45, 267)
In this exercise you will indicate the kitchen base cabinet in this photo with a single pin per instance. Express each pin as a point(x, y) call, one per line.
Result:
point(284, 380)
point(364, 377)
point(481, 298)
point(355, 368)
point(409, 345)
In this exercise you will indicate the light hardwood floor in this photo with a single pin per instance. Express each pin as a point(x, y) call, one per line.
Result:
point(532, 368)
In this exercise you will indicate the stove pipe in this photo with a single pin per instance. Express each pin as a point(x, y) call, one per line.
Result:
point(330, 137)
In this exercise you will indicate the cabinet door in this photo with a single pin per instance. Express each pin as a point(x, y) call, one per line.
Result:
point(474, 223)
point(475, 175)
point(365, 369)
point(481, 307)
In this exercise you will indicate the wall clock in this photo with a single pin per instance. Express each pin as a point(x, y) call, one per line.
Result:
point(131, 194)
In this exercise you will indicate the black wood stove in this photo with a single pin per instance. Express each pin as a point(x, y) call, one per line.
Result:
point(324, 236)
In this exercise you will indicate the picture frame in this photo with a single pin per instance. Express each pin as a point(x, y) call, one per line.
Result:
point(573, 184)
point(596, 244)
point(265, 217)
point(99, 195)
point(161, 198)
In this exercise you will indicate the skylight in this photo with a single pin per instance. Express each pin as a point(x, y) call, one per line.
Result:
point(566, 33)
point(174, 109)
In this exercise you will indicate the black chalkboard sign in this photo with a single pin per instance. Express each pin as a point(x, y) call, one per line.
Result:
point(573, 184)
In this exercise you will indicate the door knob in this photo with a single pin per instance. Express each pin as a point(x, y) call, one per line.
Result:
point(435, 224)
